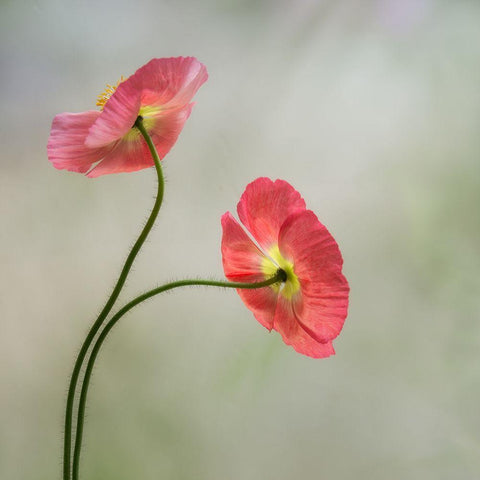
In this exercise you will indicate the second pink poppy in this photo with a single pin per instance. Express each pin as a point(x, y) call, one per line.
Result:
point(310, 307)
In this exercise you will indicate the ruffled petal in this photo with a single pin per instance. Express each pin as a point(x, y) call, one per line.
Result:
point(118, 115)
point(66, 145)
point(265, 205)
point(322, 309)
point(167, 127)
point(127, 156)
point(242, 262)
point(293, 334)
point(170, 82)
point(322, 305)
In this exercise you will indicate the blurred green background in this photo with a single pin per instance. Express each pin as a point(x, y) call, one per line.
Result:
point(371, 109)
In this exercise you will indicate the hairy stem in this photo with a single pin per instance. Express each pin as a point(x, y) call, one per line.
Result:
point(280, 276)
point(110, 302)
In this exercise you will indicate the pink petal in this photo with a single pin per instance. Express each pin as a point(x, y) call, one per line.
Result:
point(66, 145)
point(242, 263)
point(322, 306)
point(127, 156)
point(118, 115)
point(265, 205)
point(293, 334)
point(171, 82)
point(167, 128)
point(322, 309)
point(308, 242)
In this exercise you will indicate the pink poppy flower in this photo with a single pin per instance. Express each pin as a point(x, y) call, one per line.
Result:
point(310, 307)
point(100, 142)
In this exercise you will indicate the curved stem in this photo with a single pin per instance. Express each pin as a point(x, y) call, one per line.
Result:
point(110, 302)
point(280, 276)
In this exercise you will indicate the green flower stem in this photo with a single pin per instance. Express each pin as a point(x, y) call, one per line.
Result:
point(280, 276)
point(113, 297)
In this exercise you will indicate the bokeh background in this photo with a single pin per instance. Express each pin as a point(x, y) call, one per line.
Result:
point(371, 109)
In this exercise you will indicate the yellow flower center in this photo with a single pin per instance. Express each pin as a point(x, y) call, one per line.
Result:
point(270, 267)
point(107, 93)
point(148, 113)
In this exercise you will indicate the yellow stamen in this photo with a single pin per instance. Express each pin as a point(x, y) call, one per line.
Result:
point(270, 267)
point(107, 93)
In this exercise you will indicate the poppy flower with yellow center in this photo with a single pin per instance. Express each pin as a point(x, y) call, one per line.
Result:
point(104, 141)
point(309, 308)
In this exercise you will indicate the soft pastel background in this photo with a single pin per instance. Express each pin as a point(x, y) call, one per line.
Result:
point(371, 109)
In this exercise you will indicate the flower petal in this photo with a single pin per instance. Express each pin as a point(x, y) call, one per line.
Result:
point(293, 334)
point(322, 305)
point(322, 309)
point(127, 156)
point(265, 205)
point(118, 115)
point(66, 145)
point(242, 262)
point(171, 82)
point(167, 127)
